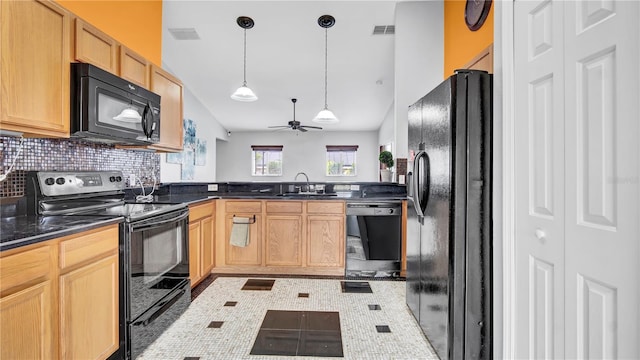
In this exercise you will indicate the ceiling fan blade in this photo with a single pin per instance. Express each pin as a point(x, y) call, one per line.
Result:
point(278, 127)
point(311, 127)
point(302, 129)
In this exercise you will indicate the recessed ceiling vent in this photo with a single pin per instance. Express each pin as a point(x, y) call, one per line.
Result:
point(384, 30)
point(184, 33)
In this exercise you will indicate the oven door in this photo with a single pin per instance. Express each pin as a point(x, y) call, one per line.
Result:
point(157, 259)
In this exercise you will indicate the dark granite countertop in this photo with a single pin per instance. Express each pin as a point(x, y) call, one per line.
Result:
point(195, 198)
point(23, 230)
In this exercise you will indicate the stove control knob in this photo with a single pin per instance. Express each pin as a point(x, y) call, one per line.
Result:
point(60, 181)
point(118, 178)
point(50, 181)
point(112, 178)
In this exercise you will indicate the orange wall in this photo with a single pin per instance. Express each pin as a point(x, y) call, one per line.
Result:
point(136, 24)
point(461, 44)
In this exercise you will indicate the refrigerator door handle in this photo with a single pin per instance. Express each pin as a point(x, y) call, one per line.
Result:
point(415, 184)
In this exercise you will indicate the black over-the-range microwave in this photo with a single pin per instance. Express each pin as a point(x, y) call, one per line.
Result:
point(108, 109)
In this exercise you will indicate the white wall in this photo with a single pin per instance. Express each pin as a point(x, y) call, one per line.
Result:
point(207, 127)
point(304, 152)
point(419, 59)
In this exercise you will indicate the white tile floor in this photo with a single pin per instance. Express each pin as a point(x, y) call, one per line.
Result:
point(190, 337)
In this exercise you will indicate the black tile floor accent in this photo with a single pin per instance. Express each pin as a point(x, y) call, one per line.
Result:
point(192, 358)
point(383, 328)
point(258, 284)
point(202, 286)
point(299, 333)
point(215, 324)
point(375, 307)
point(231, 303)
point(303, 295)
point(355, 287)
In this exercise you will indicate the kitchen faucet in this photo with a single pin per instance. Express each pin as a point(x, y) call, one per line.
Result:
point(305, 175)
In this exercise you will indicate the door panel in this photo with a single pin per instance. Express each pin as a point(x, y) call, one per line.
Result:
point(539, 179)
point(602, 231)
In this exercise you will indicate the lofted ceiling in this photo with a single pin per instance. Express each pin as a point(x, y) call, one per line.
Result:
point(285, 59)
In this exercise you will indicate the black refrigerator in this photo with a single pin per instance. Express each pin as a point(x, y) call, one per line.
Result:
point(449, 222)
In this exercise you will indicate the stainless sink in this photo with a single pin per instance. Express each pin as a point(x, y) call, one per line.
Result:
point(305, 194)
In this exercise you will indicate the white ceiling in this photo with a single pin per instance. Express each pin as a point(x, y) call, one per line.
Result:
point(285, 59)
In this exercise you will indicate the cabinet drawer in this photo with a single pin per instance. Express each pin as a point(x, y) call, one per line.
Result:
point(88, 245)
point(244, 206)
point(325, 207)
point(23, 267)
point(201, 210)
point(283, 206)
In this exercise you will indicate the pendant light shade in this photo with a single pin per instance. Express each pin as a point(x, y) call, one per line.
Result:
point(244, 93)
point(326, 116)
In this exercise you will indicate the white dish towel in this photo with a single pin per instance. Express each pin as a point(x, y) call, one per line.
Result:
point(240, 232)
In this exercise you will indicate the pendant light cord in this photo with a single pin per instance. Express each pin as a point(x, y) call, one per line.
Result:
point(325, 67)
point(244, 74)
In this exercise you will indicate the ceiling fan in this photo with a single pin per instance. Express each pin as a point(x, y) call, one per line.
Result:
point(295, 125)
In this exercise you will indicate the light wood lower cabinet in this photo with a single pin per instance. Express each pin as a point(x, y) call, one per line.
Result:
point(325, 234)
point(60, 298)
point(283, 237)
point(26, 323)
point(89, 310)
point(201, 241)
point(288, 237)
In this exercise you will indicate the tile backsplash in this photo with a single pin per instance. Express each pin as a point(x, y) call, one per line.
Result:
point(71, 155)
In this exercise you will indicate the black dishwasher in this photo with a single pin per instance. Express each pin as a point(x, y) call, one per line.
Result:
point(374, 239)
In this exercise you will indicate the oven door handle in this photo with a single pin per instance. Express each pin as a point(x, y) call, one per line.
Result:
point(163, 307)
point(148, 225)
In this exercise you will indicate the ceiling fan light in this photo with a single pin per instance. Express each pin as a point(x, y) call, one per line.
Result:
point(244, 93)
point(326, 116)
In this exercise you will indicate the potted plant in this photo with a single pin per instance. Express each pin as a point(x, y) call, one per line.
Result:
point(386, 159)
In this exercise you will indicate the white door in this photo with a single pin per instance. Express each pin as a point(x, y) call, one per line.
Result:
point(602, 269)
point(540, 218)
point(577, 179)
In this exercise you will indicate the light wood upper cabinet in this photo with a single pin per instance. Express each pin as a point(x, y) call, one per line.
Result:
point(134, 67)
point(34, 68)
point(170, 90)
point(95, 47)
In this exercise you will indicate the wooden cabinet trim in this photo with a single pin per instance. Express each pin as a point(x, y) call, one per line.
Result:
point(199, 211)
point(241, 206)
point(283, 206)
point(24, 267)
point(87, 246)
point(325, 207)
point(84, 53)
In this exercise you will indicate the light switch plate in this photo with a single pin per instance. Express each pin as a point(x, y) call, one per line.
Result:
point(355, 187)
point(212, 187)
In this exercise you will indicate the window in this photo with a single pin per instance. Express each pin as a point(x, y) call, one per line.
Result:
point(341, 160)
point(266, 160)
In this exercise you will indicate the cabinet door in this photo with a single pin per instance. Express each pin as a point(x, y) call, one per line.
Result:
point(207, 242)
point(89, 309)
point(34, 71)
point(325, 234)
point(170, 90)
point(194, 252)
point(26, 325)
point(92, 46)
point(252, 253)
point(133, 67)
point(283, 237)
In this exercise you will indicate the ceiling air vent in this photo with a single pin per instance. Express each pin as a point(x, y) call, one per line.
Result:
point(184, 33)
point(384, 30)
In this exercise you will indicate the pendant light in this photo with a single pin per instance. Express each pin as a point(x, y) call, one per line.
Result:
point(326, 116)
point(244, 93)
